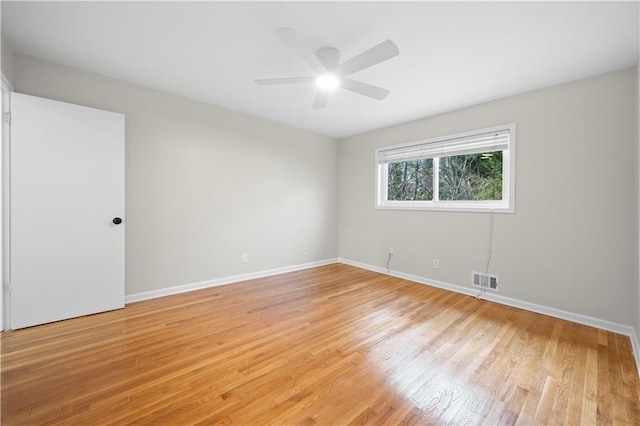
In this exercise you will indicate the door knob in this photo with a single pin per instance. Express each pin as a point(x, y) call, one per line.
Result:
point(117, 220)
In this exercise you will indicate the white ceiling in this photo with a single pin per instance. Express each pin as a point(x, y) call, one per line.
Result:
point(451, 54)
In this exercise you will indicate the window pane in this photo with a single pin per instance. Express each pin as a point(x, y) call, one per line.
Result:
point(411, 180)
point(471, 177)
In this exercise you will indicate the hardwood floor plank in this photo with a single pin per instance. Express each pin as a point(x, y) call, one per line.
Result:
point(589, 413)
point(325, 346)
point(576, 385)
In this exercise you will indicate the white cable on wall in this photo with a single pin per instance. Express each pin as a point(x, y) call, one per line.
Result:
point(489, 251)
point(490, 245)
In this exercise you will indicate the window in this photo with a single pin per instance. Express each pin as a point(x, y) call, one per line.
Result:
point(473, 171)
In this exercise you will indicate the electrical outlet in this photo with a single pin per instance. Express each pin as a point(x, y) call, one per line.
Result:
point(391, 251)
point(305, 250)
point(244, 258)
point(435, 263)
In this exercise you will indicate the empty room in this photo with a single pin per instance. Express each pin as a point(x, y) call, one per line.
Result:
point(320, 213)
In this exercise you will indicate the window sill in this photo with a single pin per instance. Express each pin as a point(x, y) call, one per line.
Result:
point(487, 207)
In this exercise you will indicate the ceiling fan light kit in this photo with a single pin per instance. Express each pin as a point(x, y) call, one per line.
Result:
point(329, 72)
point(327, 82)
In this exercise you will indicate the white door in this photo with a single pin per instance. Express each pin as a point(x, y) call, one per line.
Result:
point(67, 188)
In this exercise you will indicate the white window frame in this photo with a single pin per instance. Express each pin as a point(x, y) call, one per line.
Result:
point(506, 205)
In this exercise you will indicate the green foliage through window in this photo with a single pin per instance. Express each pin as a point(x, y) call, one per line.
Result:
point(411, 180)
point(471, 177)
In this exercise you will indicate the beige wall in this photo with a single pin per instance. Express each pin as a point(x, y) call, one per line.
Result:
point(570, 245)
point(7, 60)
point(204, 184)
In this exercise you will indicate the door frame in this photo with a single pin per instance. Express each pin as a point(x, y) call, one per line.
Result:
point(5, 293)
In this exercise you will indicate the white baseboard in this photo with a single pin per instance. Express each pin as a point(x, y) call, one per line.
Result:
point(626, 330)
point(146, 295)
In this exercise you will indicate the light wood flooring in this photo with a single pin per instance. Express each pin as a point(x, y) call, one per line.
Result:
point(331, 345)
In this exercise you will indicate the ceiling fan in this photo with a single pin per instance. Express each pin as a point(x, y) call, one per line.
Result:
point(329, 72)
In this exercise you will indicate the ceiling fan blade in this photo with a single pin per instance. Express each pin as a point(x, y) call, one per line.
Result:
point(329, 57)
point(365, 89)
point(378, 53)
point(321, 99)
point(289, 80)
point(291, 39)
